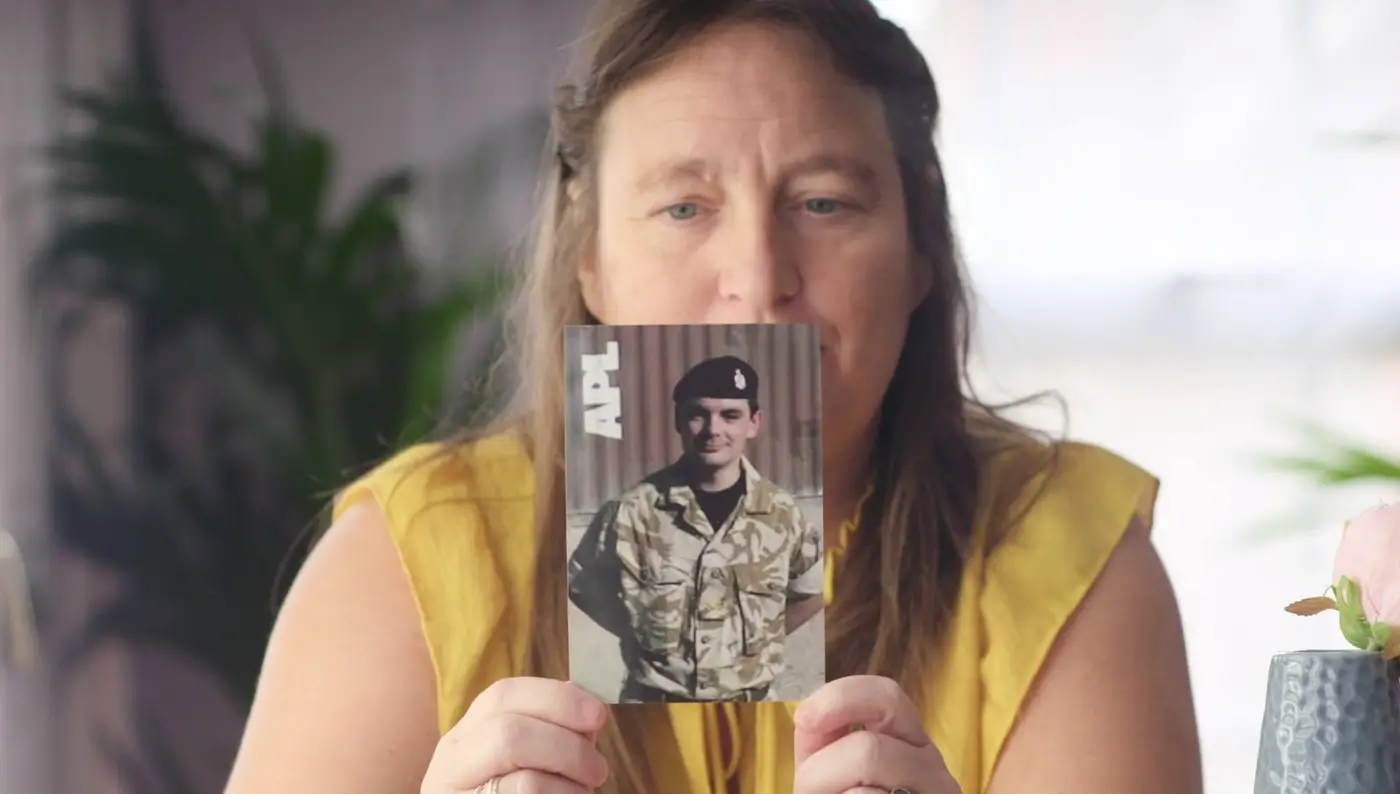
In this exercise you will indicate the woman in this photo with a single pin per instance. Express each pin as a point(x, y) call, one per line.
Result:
point(999, 622)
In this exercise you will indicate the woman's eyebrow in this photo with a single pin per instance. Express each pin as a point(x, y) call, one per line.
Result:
point(696, 169)
point(685, 169)
point(853, 168)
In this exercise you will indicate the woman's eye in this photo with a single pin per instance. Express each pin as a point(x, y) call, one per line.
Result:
point(682, 212)
point(821, 206)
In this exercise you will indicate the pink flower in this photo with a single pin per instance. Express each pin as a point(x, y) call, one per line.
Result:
point(1369, 555)
point(1366, 582)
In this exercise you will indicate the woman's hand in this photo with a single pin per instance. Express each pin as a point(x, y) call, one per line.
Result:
point(890, 751)
point(535, 735)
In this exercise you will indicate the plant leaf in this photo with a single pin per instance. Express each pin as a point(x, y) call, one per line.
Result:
point(1355, 628)
point(1336, 460)
point(1311, 606)
point(372, 223)
point(295, 172)
point(1381, 636)
point(432, 332)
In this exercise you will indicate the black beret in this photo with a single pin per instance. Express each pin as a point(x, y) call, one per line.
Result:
point(724, 378)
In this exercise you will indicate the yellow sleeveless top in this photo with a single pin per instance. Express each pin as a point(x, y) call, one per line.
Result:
point(462, 525)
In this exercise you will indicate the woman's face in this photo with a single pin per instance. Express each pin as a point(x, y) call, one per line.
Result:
point(746, 181)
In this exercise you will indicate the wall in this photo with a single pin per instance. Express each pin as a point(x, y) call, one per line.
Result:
point(24, 114)
point(395, 83)
point(50, 720)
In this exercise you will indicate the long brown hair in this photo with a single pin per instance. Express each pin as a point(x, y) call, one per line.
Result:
point(900, 574)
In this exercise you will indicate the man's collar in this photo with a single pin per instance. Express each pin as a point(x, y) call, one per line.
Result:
point(758, 492)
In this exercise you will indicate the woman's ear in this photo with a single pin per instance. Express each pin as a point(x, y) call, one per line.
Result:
point(590, 284)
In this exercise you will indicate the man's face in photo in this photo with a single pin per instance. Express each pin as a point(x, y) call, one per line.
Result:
point(716, 431)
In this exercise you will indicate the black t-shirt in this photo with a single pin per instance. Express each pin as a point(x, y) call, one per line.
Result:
point(719, 505)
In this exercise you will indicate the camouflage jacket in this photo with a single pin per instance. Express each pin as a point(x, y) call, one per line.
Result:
point(702, 609)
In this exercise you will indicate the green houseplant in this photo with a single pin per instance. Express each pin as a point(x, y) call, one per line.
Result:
point(1335, 460)
point(1329, 460)
point(277, 347)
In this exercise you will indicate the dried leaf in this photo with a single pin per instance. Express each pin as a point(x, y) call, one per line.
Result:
point(1311, 606)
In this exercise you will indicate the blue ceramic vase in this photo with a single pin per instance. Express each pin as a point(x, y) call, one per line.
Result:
point(1331, 725)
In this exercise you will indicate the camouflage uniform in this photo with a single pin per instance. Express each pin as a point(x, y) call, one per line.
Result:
point(699, 609)
point(706, 605)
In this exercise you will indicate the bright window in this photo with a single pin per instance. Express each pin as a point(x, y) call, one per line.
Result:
point(1234, 165)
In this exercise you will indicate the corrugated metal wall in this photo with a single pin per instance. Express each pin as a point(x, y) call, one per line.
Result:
point(651, 359)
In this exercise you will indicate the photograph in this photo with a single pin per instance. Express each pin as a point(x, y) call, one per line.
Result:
point(693, 497)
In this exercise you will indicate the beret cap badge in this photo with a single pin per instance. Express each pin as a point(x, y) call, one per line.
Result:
point(725, 377)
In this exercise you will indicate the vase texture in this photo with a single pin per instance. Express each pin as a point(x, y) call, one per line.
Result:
point(1331, 725)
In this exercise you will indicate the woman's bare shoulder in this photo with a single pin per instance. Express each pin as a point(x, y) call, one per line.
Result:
point(1115, 689)
point(346, 700)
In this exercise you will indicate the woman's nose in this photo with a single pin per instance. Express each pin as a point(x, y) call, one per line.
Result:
point(759, 274)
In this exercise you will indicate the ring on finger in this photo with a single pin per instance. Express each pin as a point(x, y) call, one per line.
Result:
point(492, 786)
point(900, 790)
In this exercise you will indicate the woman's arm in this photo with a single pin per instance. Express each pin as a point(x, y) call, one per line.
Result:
point(1111, 710)
point(346, 701)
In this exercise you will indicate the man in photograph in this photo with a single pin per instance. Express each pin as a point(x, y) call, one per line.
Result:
point(703, 568)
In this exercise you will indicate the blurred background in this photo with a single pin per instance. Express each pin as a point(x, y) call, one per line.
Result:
point(251, 247)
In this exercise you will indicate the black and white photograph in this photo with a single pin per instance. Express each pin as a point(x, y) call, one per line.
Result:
point(693, 495)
